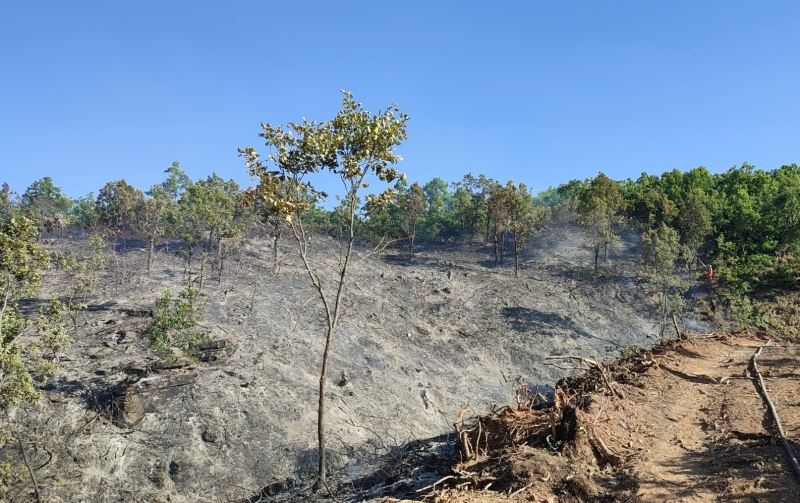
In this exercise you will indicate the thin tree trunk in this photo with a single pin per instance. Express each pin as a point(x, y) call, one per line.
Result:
point(30, 470)
point(596, 256)
point(496, 247)
point(150, 247)
point(516, 257)
point(6, 296)
point(202, 271)
point(220, 260)
point(277, 235)
point(411, 240)
point(253, 296)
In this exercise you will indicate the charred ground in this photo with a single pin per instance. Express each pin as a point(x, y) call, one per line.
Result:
point(421, 338)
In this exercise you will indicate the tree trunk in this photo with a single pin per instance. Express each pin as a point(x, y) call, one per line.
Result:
point(277, 235)
point(253, 296)
point(150, 246)
point(496, 247)
point(605, 252)
point(322, 468)
point(202, 271)
point(220, 260)
point(596, 256)
point(516, 256)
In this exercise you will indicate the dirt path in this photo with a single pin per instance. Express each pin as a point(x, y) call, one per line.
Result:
point(710, 441)
point(692, 427)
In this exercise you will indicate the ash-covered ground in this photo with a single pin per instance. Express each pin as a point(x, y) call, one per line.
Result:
point(420, 339)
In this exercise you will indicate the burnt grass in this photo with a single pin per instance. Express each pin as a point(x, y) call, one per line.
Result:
point(421, 337)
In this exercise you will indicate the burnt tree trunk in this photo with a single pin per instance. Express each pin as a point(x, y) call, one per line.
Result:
point(276, 238)
point(150, 246)
point(496, 247)
point(596, 256)
point(202, 271)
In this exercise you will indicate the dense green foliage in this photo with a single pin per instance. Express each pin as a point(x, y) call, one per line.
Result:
point(21, 264)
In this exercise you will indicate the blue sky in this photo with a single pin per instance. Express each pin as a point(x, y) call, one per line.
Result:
point(534, 91)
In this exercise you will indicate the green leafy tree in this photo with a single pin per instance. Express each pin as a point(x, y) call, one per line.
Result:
point(526, 218)
point(45, 203)
point(21, 263)
point(470, 204)
point(693, 222)
point(116, 206)
point(661, 248)
point(268, 213)
point(84, 213)
point(206, 217)
point(439, 202)
point(600, 203)
point(5, 203)
point(153, 217)
point(412, 206)
point(177, 182)
point(513, 211)
point(385, 220)
point(353, 146)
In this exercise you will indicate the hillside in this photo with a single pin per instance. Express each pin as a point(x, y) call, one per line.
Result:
point(421, 338)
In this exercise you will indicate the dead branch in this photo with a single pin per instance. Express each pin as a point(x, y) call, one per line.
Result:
point(787, 446)
point(607, 454)
point(28, 466)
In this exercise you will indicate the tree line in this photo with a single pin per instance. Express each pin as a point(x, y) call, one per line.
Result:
point(745, 221)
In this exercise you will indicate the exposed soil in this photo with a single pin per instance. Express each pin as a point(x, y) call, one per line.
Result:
point(683, 423)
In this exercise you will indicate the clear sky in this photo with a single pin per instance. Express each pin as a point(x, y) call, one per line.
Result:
point(534, 91)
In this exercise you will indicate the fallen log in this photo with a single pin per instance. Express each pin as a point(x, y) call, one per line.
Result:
point(787, 446)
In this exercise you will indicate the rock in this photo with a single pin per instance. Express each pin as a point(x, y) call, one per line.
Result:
point(128, 406)
point(213, 351)
point(136, 369)
point(276, 488)
point(209, 436)
point(176, 472)
point(446, 289)
point(125, 337)
point(342, 381)
point(97, 353)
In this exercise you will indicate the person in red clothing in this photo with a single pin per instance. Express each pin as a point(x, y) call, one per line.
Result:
point(709, 273)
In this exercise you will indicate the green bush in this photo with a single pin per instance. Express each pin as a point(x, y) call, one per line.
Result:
point(172, 333)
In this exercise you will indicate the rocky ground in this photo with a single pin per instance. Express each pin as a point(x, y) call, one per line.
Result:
point(420, 339)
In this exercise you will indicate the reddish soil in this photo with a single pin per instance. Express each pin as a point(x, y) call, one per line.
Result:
point(686, 423)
